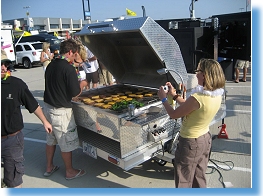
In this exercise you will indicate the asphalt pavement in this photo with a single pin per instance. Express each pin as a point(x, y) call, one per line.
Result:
point(232, 155)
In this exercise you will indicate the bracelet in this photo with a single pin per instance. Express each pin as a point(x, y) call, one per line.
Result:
point(164, 100)
point(175, 97)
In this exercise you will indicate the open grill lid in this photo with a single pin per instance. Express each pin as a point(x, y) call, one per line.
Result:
point(134, 49)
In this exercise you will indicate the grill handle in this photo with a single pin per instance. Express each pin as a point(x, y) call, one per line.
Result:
point(101, 26)
point(154, 100)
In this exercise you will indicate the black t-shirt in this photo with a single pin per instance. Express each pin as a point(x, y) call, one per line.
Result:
point(14, 93)
point(61, 83)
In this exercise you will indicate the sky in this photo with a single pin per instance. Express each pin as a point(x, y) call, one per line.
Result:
point(104, 9)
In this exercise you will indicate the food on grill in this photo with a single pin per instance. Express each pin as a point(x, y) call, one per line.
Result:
point(108, 98)
point(86, 99)
point(117, 99)
point(89, 102)
point(132, 95)
point(123, 97)
point(106, 106)
point(95, 97)
point(99, 100)
point(119, 106)
point(98, 104)
point(148, 95)
point(139, 96)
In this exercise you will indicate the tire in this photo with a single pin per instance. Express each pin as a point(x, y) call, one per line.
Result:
point(27, 63)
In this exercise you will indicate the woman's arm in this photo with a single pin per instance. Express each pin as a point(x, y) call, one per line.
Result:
point(189, 105)
point(42, 57)
point(92, 58)
point(185, 108)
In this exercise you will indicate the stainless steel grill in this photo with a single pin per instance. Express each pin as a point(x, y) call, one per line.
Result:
point(132, 50)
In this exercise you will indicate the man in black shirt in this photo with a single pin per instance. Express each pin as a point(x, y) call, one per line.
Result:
point(61, 85)
point(14, 93)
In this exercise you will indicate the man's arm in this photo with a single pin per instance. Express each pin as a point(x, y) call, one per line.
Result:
point(92, 58)
point(39, 113)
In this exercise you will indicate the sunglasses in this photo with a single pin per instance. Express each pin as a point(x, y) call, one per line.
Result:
point(198, 70)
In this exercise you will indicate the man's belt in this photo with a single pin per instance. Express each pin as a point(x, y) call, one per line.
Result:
point(12, 134)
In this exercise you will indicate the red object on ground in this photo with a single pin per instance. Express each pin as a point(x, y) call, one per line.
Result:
point(222, 133)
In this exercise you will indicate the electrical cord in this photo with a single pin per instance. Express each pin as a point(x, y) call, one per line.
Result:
point(216, 167)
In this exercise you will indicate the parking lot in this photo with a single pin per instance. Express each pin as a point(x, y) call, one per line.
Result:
point(234, 151)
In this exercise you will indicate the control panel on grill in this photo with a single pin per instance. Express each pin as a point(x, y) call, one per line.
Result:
point(157, 134)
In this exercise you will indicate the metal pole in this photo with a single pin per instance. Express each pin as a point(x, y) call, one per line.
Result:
point(144, 13)
point(216, 25)
point(246, 5)
point(27, 13)
point(192, 15)
point(86, 11)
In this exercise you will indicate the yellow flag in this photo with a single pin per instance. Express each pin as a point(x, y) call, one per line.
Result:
point(26, 34)
point(130, 13)
point(55, 33)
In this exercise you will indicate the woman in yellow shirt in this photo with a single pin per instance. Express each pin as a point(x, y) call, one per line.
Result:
point(192, 153)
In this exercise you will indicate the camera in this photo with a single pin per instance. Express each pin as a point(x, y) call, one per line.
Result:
point(87, 64)
point(166, 88)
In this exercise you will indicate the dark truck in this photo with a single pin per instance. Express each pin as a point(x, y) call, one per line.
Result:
point(44, 37)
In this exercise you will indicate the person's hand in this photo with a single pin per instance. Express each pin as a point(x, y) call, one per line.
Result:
point(48, 127)
point(76, 99)
point(161, 94)
point(51, 55)
point(172, 90)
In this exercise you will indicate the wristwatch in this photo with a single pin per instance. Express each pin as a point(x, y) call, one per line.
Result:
point(175, 97)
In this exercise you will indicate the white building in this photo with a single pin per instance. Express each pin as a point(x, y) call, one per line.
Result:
point(59, 25)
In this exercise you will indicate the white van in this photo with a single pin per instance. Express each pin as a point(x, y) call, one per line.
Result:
point(7, 42)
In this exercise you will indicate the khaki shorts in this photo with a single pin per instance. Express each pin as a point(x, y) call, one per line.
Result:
point(64, 128)
point(242, 64)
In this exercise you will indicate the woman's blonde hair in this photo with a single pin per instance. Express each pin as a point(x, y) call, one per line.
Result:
point(82, 52)
point(214, 77)
point(45, 46)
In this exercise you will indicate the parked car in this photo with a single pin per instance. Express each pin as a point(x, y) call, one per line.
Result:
point(28, 53)
point(44, 37)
